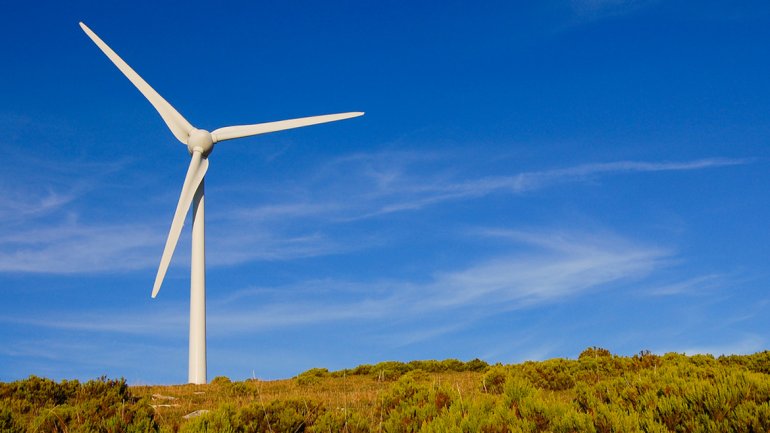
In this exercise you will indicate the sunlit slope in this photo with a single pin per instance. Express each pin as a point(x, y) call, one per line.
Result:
point(598, 392)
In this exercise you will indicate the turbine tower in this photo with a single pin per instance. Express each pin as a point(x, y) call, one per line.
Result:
point(199, 143)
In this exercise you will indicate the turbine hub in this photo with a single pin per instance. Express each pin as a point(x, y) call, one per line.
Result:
point(200, 140)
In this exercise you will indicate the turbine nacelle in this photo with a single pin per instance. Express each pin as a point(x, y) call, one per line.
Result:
point(200, 140)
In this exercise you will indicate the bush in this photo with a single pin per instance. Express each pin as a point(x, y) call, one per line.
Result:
point(515, 390)
point(311, 376)
point(553, 374)
point(103, 405)
point(279, 416)
point(595, 352)
point(476, 365)
point(494, 379)
point(408, 404)
point(340, 420)
point(392, 370)
point(221, 380)
point(8, 422)
point(389, 370)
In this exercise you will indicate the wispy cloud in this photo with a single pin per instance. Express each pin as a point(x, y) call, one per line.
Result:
point(38, 184)
point(555, 268)
point(750, 343)
point(536, 180)
point(384, 183)
point(560, 265)
point(46, 187)
point(156, 322)
point(32, 203)
point(75, 248)
point(699, 285)
point(349, 189)
point(44, 232)
point(247, 243)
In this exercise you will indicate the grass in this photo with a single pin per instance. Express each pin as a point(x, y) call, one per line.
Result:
point(348, 393)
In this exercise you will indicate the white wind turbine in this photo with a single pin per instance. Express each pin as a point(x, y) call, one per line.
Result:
point(199, 143)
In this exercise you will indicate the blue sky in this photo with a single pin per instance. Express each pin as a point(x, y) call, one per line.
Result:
point(530, 179)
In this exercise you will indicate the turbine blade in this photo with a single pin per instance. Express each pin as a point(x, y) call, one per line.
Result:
point(195, 173)
point(230, 132)
point(178, 125)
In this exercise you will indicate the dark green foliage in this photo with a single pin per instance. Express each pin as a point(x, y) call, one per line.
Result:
point(311, 376)
point(8, 422)
point(409, 404)
point(340, 420)
point(515, 390)
point(37, 391)
point(223, 420)
point(476, 365)
point(595, 352)
point(220, 380)
point(554, 374)
point(392, 370)
point(276, 416)
point(494, 379)
point(101, 405)
point(599, 393)
point(758, 362)
point(682, 394)
point(280, 416)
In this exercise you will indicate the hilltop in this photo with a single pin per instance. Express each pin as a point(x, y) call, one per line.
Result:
point(598, 392)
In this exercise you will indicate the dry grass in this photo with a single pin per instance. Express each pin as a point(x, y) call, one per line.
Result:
point(358, 393)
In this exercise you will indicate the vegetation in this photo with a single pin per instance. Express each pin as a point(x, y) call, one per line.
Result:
point(102, 405)
point(597, 393)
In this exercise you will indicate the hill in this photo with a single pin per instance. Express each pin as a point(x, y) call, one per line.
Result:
point(598, 392)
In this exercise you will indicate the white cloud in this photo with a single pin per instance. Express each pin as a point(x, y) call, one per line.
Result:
point(383, 183)
point(75, 248)
point(156, 322)
point(33, 203)
point(34, 187)
point(694, 286)
point(750, 343)
point(561, 265)
point(555, 268)
point(346, 190)
point(550, 271)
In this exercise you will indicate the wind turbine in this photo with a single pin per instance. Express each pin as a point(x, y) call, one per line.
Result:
point(199, 143)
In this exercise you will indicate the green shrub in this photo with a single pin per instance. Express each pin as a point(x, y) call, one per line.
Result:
point(515, 390)
point(553, 374)
point(362, 369)
point(476, 365)
point(220, 380)
point(494, 379)
point(8, 421)
point(101, 405)
point(279, 416)
point(595, 352)
point(572, 421)
point(222, 420)
point(389, 370)
point(311, 376)
point(341, 420)
point(408, 405)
